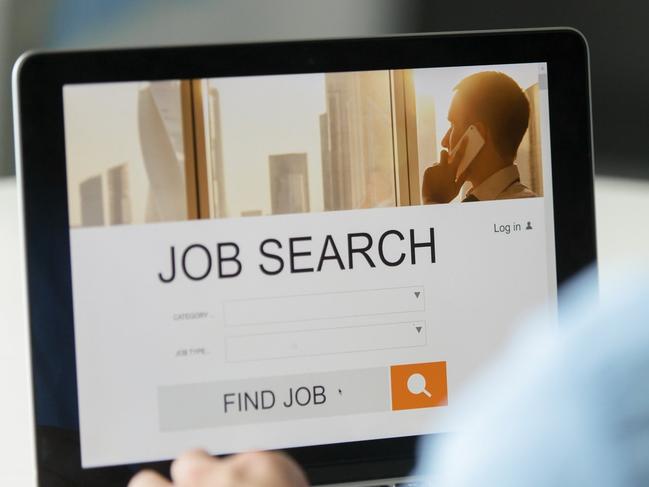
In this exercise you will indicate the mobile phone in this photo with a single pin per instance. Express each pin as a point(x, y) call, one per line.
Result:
point(474, 145)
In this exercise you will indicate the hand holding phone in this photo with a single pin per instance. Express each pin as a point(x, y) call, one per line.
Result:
point(474, 143)
point(441, 182)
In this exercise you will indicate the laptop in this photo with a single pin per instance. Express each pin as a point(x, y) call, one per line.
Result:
point(302, 246)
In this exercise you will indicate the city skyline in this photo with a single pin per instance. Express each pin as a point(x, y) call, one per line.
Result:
point(162, 147)
point(260, 117)
point(356, 138)
point(106, 197)
point(125, 142)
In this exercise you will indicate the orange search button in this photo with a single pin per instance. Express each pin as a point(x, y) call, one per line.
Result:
point(417, 386)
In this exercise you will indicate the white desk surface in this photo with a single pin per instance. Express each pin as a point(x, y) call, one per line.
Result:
point(623, 241)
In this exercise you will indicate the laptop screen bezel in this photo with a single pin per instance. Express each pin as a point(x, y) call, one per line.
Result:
point(39, 81)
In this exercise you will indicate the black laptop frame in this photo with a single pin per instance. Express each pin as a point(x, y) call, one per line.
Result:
point(38, 82)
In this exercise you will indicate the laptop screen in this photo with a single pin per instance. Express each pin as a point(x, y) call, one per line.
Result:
point(280, 261)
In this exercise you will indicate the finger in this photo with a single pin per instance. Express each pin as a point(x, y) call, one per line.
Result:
point(148, 478)
point(428, 174)
point(198, 469)
point(251, 464)
point(443, 157)
point(426, 184)
point(270, 468)
point(191, 467)
point(220, 474)
point(294, 473)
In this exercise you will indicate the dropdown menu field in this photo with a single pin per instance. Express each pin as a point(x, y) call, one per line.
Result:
point(323, 306)
point(267, 346)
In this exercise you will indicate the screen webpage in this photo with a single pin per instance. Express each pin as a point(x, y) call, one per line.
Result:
point(290, 260)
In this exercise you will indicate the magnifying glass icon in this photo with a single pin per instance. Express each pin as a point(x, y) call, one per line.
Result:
point(417, 385)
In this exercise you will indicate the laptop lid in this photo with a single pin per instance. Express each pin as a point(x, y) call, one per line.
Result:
point(272, 246)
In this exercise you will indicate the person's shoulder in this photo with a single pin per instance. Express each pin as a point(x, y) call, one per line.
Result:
point(515, 191)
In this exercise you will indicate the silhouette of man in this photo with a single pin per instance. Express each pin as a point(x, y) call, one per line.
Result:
point(499, 110)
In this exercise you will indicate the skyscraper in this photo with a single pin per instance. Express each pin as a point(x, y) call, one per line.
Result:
point(92, 202)
point(166, 97)
point(357, 137)
point(289, 183)
point(159, 120)
point(528, 158)
point(219, 201)
point(325, 157)
point(119, 197)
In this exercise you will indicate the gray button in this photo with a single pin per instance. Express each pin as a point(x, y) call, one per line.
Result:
point(266, 399)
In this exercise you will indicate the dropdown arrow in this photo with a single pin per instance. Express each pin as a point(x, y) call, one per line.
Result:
point(417, 293)
point(418, 328)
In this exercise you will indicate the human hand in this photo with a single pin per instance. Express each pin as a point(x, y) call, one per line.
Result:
point(198, 469)
point(439, 184)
